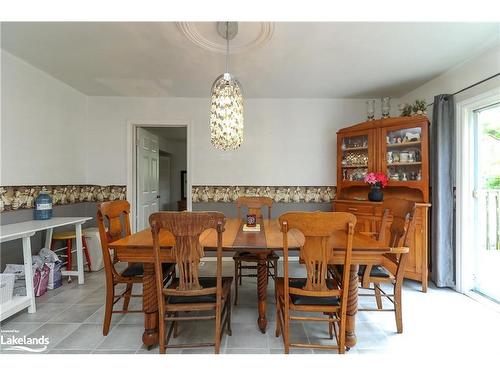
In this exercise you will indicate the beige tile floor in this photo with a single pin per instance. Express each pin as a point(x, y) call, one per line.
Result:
point(440, 320)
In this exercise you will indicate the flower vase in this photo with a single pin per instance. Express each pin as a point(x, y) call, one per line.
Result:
point(376, 194)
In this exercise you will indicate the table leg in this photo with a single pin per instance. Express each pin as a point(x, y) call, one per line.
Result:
point(262, 290)
point(79, 253)
point(150, 306)
point(28, 273)
point(352, 307)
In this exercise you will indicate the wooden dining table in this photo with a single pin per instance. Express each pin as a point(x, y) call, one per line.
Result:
point(137, 248)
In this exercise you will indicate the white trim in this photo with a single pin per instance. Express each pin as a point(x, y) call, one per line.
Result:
point(131, 158)
point(465, 185)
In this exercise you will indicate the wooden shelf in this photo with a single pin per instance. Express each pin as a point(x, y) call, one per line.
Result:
point(355, 149)
point(403, 164)
point(355, 166)
point(405, 144)
point(404, 183)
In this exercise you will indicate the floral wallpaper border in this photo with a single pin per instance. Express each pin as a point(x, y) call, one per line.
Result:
point(14, 198)
point(284, 194)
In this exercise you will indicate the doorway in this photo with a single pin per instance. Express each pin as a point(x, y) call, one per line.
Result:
point(478, 227)
point(161, 164)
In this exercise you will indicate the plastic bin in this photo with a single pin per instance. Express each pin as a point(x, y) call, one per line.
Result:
point(94, 243)
point(6, 287)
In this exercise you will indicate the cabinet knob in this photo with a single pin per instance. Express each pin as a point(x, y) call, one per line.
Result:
point(352, 209)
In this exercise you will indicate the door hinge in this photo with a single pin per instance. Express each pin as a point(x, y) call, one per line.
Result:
point(475, 194)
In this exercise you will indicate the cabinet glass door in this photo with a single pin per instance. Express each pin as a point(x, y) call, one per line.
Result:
point(355, 157)
point(404, 154)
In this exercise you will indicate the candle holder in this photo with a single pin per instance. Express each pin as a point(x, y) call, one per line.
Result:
point(386, 106)
point(370, 110)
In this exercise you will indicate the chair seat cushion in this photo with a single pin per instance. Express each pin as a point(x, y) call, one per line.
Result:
point(205, 282)
point(137, 269)
point(310, 300)
point(376, 271)
point(134, 269)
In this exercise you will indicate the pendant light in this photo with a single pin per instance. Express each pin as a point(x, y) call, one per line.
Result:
point(226, 113)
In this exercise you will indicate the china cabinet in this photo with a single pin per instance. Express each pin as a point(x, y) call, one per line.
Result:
point(399, 148)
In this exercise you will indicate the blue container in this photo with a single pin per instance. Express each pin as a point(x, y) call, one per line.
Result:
point(43, 206)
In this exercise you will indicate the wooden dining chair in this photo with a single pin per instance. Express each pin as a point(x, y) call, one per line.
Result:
point(392, 270)
point(254, 207)
point(190, 292)
point(114, 223)
point(315, 293)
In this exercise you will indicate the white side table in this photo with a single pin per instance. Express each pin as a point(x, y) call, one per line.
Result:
point(25, 230)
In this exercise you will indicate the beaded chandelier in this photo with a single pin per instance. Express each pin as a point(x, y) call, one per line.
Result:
point(226, 113)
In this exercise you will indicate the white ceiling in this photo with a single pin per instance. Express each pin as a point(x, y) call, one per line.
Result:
point(292, 59)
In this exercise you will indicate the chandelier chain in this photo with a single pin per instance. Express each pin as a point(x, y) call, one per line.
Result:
point(227, 47)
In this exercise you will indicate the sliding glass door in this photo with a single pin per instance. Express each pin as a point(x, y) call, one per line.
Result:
point(486, 201)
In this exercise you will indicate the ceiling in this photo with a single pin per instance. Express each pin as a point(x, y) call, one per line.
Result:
point(271, 60)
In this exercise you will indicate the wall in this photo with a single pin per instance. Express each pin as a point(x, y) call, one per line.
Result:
point(287, 142)
point(43, 124)
point(469, 72)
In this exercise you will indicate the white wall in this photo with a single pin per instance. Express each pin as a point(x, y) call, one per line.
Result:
point(43, 127)
point(287, 141)
point(52, 134)
point(469, 72)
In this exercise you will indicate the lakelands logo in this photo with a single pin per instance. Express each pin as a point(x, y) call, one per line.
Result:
point(10, 342)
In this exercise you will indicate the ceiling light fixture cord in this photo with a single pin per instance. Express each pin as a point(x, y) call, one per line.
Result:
point(227, 47)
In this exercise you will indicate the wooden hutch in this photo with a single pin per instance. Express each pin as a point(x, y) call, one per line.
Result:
point(398, 147)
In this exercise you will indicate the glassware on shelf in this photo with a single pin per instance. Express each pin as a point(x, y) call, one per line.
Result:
point(370, 109)
point(386, 106)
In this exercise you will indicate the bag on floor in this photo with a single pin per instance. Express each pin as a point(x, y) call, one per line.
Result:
point(51, 259)
point(41, 280)
point(48, 256)
point(55, 275)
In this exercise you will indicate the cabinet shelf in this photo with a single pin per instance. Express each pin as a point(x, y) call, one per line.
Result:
point(355, 149)
point(355, 166)
point(405, 144)
point(403, 164)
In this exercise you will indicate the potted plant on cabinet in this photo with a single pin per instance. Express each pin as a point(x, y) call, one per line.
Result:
point(377, 180)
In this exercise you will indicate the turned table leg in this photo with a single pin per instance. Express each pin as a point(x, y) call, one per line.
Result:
point(352, 307)
point(262, 290)
point(150, 306)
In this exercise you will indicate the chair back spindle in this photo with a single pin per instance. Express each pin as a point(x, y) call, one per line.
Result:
point(318, 228)
point(186, 227)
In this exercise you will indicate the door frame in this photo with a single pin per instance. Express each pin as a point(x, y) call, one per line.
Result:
point(465, 185)
point(132, 158)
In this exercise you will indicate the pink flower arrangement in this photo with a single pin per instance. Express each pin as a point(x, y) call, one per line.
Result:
point(376, 178)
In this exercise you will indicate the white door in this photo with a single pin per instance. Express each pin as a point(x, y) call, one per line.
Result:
point(486, 268)
point(148, 198)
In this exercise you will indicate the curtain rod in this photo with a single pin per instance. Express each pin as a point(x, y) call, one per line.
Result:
point(471, 86)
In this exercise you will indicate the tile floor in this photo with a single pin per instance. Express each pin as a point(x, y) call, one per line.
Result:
point(71, 316)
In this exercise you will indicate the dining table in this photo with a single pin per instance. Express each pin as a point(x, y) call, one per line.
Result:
point(138, 248)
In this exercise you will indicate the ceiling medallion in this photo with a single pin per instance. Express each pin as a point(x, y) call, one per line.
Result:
point(264, 34)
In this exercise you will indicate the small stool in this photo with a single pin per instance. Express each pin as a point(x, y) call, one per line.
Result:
point(69, 236)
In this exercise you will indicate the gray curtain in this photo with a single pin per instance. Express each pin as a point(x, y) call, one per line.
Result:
point(442, 179)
